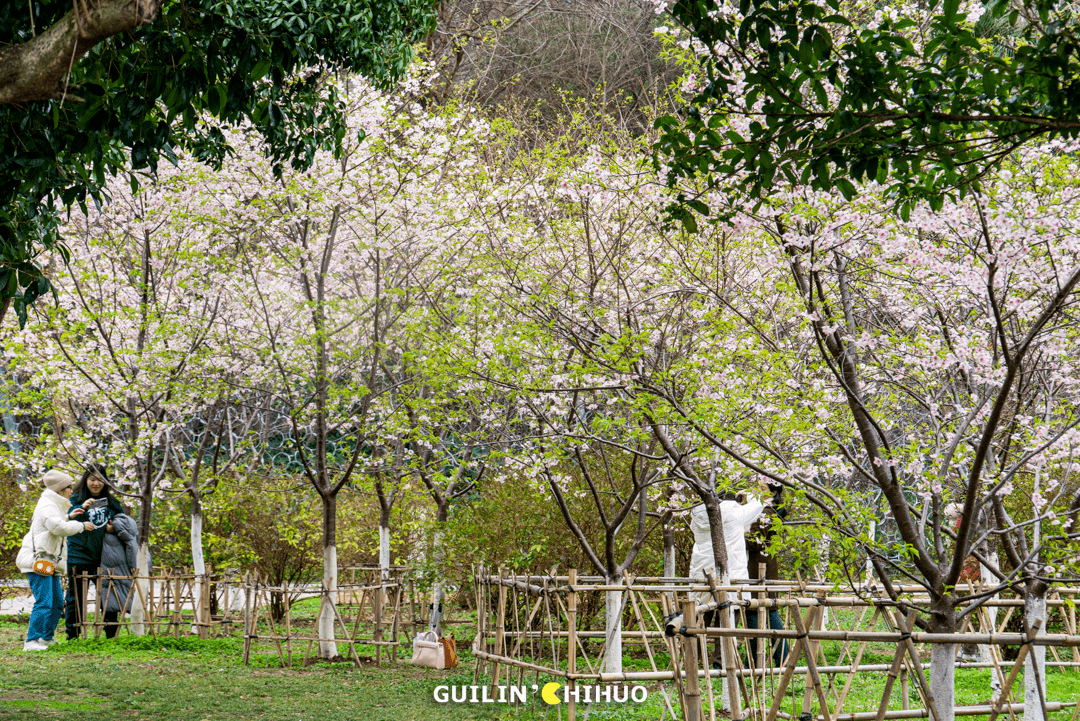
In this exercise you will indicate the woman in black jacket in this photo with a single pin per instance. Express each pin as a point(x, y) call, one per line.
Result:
point(94, 496)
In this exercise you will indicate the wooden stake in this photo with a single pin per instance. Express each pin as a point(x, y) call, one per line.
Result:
point(571, 657)
point(247, 619)
point(500, 632)
point(689, 652)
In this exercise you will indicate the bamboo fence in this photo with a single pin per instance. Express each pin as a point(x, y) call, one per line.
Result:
point(367, 610)
point(531, 626)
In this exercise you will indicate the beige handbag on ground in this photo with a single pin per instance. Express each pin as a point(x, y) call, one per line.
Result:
point(428, 651)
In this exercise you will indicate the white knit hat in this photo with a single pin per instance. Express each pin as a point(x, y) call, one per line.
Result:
point(57, 480)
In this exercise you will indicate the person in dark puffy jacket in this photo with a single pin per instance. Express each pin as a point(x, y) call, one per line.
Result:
point(94, 495)
point(118, 564)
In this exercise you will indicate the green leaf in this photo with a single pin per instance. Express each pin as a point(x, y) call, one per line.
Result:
point(261, 69)
point(846, 187)
point(949, 9)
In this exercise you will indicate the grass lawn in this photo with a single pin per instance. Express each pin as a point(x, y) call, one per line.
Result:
point(192, 680)
point(189, 680)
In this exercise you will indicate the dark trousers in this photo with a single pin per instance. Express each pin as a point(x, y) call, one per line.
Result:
point(779, 654)
point(75, 605)
point(111, 625)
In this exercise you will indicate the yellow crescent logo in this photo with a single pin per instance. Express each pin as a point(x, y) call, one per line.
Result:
point(548, 694)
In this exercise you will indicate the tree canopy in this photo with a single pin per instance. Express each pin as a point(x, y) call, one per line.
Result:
point(87, 89)
point(827, 94)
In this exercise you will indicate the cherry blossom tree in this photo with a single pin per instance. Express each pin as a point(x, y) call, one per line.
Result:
point(338, 263)
point(125, 353)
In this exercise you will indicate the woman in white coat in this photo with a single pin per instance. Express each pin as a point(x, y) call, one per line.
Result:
point(45, 540)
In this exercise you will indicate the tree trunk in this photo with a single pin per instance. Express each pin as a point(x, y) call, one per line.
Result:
point(438, 591)
point(942, 672)
point(384, 544)
point(138, 612)
point(613, 609)
point(198, 564)
point(669, 548)
point(327, 645)
point(720, 558)
point(1035, 690)
point(943, 655)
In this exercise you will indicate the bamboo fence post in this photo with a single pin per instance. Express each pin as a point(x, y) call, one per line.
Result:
point(99, 615)
point(397, 618)
point(762, 615)
point(412, 605)
point(1075, 650)
point(247, 618)
point(288, 625)
point(204, 607)
point(376, 612)
point(500, 631)
point(481, 620)
point(729, 654)
point(84, 577)
point(689, 652)
point(904, 688)
point(704, 650)
point(175, 616)
point(571, 651)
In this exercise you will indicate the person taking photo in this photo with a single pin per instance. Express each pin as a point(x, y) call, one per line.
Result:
point(43, 556)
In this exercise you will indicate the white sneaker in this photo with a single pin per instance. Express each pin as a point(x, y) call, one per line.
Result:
point(36, 645)
point(49, 641)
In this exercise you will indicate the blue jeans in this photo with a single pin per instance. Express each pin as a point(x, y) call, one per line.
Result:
point(48, 605)
point(779, 654)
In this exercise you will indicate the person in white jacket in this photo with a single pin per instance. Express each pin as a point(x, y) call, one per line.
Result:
point(46, 539)
point(738, 516)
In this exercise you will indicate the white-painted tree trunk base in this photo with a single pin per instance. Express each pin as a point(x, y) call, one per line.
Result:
point(384, 559)
point(138, 613)
point(613, 629)
point(942, 673)
point(202, 615)
point(1034, 609)
point(327, 645)
point(384, 551)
